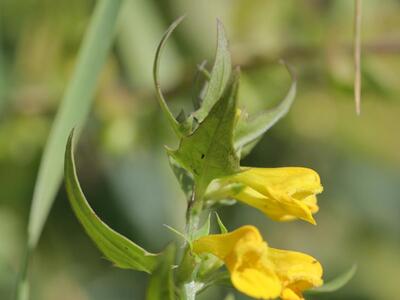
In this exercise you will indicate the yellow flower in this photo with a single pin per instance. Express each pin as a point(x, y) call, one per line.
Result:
point(259, 271)
point(281, 193)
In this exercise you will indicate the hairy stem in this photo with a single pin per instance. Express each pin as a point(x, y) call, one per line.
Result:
point(195, 206)
point(193, 213)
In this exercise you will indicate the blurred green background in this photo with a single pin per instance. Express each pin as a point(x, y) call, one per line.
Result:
point(123, 167)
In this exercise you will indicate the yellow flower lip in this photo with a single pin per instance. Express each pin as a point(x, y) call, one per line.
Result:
point(282, 194)
point(258, 270)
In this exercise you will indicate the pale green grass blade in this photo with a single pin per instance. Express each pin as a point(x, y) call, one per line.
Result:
point(22, 288)
point(72, 112)
point(3, 79)
point(118, 249)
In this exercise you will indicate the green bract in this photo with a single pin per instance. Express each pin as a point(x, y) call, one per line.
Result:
point(219, 76)
point(117, 248)
point(208, 152)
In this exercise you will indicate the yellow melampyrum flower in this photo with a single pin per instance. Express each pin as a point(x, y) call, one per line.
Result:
point(259, 271)
point(281, 193)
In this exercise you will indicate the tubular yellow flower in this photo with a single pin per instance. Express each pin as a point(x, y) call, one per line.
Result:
point(259, 271)
point(281, 193)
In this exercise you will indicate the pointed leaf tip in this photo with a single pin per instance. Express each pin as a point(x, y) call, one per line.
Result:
point(178, 128)
point(221, 225)
point(220, 74)
point(336, 283)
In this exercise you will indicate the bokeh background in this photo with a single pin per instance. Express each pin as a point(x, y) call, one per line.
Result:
point(122, 164)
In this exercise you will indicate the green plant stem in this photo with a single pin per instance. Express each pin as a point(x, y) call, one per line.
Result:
point(195, 207)
point(190, 290)
point(193, 213)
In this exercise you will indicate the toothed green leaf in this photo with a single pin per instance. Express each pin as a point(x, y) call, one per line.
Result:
point(208, 152)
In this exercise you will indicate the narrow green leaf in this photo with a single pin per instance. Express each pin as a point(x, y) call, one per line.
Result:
point(185, 272)
point(3, 80)
point(178, 233)
point(117, 248)
point(73, 110)
point(221, 225)
point(336, 283)
point(220, 74)
point(221, 278)
point(177, 127)
point(249, 131)
point(199, 88)
point(22, 289)
point(246, 149)
point(161, 285)
point(208, 153)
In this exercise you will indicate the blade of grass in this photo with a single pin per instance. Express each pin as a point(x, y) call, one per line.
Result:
point(3, 79)
point(72, 112)
point(357, 55)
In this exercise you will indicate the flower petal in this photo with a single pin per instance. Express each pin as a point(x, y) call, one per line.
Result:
point(288, 294)
point(259, 271)
point(259, 284)
point(221, 245)
point(279, 207)
point(281, 193)
point(298, 271)
point(251, 271)
point(290, 180)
